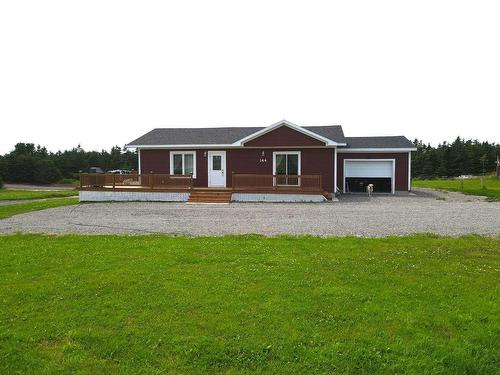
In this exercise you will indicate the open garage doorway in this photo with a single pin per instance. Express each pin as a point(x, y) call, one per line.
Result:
point(358, 173)
point(358, 185)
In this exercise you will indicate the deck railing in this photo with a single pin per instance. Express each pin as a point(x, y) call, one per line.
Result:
point(150, 181)
point(269, 182)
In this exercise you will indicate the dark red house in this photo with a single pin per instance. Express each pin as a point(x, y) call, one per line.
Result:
point(280, 158)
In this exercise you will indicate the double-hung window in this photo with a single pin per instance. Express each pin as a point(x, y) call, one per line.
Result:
point(286, 167)
point(183, 163)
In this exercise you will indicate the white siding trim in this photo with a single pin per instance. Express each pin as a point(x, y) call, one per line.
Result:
point(375, 150)
point(132, 196)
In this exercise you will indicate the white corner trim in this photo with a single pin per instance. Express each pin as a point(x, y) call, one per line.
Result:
point(393, 178)
point(381, 150)
point(288, 124)
point(139, 161)
point(334, 171)
point(172, 153)
point(409, 171)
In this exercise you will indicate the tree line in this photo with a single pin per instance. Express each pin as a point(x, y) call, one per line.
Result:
point(28, 163)
point(461, 157)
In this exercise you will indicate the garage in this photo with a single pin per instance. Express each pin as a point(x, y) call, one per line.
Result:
point(358, 173)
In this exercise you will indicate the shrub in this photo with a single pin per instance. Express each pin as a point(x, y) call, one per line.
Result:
point(1, 183)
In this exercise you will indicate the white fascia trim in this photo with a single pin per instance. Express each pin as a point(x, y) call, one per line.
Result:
point(335, 172)
point(298, 128)
point(217, 146)
point(346, 150)
point(144, 147)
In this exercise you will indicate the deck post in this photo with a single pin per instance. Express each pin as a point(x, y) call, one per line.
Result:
point(152, 180)
point(114, 181)
point(81, 180)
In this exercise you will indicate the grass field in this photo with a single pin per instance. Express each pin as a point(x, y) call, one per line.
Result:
point(7, 194)
point(248, 304)
point(471, 186)
point(21, 208)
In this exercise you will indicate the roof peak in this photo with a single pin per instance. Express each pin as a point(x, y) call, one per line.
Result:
point(240, 127)
point(233, 135)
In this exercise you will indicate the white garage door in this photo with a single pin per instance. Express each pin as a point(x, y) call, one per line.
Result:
point(368, 168)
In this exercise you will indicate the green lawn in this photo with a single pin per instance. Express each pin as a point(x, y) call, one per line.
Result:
point(249, 304)
point(21, 208)
point(8, 194)
point(471, 186)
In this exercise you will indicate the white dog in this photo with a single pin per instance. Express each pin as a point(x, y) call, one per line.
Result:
point(369, 189)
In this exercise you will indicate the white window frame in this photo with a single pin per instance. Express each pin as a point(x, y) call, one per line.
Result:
point(183, 153)
point(298, 153)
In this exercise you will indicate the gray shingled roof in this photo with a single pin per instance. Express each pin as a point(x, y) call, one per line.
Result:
point(379, 142)
point(228, 135)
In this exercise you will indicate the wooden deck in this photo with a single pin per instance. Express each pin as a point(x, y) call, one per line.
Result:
point(241, 183)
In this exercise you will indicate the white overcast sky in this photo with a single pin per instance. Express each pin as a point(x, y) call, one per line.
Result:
point(102, 72)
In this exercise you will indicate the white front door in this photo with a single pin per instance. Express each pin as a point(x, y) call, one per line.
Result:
point(216, 168)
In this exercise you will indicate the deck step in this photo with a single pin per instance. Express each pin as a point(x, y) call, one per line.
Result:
point(205, 196)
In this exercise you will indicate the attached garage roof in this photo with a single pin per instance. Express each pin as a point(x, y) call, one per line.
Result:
point(379, 142)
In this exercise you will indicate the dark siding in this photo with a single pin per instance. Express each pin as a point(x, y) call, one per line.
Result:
point(313, 161)
point(158, 161)
point(155, 161)
point(283, 137)
point(401, 183)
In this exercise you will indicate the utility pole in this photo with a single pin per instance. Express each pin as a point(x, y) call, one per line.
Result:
point(483, 161)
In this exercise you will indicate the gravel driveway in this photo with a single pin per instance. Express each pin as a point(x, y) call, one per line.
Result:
point(353, 215)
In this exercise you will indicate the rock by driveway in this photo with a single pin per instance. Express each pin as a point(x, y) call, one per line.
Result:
point(352, 215)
